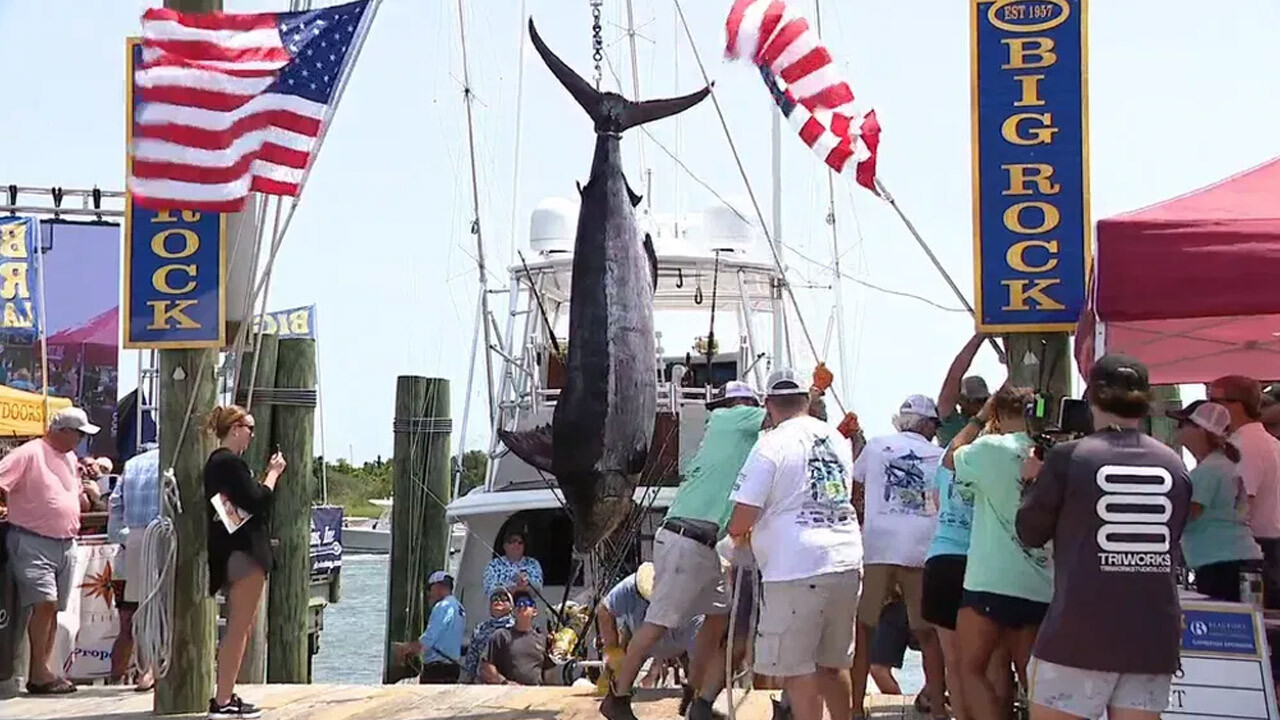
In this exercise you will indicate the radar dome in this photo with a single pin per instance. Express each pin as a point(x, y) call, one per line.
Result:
point(552, 225)
point(729, 227)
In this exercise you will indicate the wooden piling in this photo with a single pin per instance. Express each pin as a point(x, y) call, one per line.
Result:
point(253, 671)
point(1048, 353)
point(293, 429)
point(187, 384)
point(419, 533)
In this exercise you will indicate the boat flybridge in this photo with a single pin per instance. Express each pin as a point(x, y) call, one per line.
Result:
point(710, 264)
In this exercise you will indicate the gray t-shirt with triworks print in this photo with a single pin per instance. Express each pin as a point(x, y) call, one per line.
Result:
point(1114, 504)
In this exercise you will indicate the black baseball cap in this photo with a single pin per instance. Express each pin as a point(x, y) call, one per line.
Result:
point(1119, 372)
point(1184, 414)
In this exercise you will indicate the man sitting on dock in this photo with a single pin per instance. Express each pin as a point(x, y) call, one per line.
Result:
point(517, 655)
point(622, 612)
point(689, 578)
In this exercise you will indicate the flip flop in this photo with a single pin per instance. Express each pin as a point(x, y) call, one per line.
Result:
point(61, 686)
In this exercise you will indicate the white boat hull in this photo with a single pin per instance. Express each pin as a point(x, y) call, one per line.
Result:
point(366, 541)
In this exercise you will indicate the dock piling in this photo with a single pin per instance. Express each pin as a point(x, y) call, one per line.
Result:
point(419, 536)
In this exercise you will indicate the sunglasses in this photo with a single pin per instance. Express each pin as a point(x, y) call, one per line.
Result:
point(515, 541)
point(524, 603)
point(246, 426)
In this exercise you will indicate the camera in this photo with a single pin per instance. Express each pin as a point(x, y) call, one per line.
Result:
point(1075, 420)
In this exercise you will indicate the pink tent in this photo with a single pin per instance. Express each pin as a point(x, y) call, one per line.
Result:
point(1189, 286)
point(97, 339)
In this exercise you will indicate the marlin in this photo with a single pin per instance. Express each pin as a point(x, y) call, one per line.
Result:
point(599, 437)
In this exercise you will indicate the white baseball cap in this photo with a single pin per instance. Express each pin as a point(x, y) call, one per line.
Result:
point(784, 381)
point(1212, 417)
point(921, 405)
point(73, 418)
point(738, 389)
point(439, 576)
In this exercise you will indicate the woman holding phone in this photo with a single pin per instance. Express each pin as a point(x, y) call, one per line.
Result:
point(240, 549)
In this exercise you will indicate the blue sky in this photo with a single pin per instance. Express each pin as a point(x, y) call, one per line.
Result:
point(1179, 98)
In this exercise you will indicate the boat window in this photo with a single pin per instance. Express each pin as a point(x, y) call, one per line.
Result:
point(548, 538)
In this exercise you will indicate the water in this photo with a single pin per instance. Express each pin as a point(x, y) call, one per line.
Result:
point(355, 629)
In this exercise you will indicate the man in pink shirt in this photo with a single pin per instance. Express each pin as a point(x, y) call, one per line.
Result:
point(43, 493)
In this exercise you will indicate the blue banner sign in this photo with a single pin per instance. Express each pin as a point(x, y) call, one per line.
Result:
point(299, 322)
point(326, 538)
point(174, 266)
point(1219, 631)
point(19, 283)
point(1030, 129)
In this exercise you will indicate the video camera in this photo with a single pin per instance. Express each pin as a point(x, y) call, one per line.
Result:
point(1075, 420)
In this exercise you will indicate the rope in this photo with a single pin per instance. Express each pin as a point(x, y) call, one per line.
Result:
point(597, 40)
point(152, 625)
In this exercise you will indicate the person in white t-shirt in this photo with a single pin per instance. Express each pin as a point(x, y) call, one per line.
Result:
point(900, 519)
point(792, 500)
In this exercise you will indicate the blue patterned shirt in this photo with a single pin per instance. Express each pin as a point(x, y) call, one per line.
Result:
point(135, 502)
point(502, 573)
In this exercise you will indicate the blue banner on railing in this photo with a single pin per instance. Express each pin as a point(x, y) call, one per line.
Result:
point(1030, 163)
point(326, 538)
point(174, 266)
point(299, 322)
point(1215, 631)
point(19, 283)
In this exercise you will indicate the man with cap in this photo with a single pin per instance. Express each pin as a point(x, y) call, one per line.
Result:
point(440, 646)
point(621, 613)
point(500, 607)
point(961, 398)
point(42, 490)
point(897, 472)
point(1114, 505)
point(688, 577)
point(792, 503)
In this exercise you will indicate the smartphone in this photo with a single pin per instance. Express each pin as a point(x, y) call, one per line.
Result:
point(1075, 417)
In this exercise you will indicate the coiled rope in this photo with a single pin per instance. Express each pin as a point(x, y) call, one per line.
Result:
point(152, 624)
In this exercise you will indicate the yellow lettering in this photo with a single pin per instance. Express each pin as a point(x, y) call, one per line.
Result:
point(160, 279)
point(1019, 294)
point(1030, 90)
point(269, 326)
point(162, 311)
point(13, 241)
point(13, 317)
point(1022, 173)
point(1013, 218)
point(166, 216)
point(1022, 48)
point(1011, 129)
point(1016, 259)
point(190, 243)
point(14, 277)
point(298, 323)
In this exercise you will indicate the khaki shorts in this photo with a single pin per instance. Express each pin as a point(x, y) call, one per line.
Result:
point(806, 624)
point(688, 580)
point(1087, 693)
point(878, 582)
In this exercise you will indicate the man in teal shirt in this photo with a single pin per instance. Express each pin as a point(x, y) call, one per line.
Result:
point(689, 579)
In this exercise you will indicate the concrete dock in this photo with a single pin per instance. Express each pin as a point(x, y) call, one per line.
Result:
point(407, 702)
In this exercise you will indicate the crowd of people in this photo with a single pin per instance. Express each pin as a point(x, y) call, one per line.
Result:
point(1026, 566)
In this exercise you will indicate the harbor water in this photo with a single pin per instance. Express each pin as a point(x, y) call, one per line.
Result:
point(354, 630)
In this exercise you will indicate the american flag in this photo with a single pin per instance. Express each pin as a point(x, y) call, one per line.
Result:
point(235, 103)
point(799, 73)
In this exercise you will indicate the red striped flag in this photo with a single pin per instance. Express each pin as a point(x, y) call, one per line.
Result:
point(805, 84)
point(235, 103)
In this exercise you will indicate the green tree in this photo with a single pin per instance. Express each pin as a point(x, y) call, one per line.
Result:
point(474, 465)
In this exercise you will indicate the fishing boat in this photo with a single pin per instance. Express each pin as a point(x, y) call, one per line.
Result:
point(361, 536)
point(718, 315)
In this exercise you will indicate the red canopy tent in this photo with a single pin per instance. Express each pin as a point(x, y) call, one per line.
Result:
point(1190, 285)
point(96, 340)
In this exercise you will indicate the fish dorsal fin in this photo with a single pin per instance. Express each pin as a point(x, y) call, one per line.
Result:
point(575, 182)
point(653, 259)
point(632, 195)
point(532, 446)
